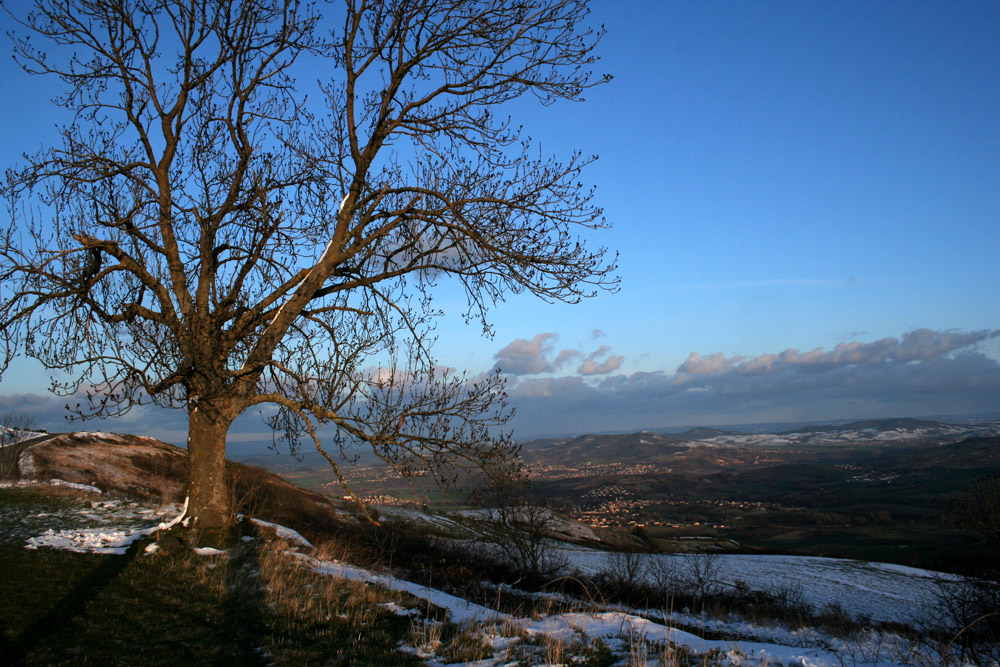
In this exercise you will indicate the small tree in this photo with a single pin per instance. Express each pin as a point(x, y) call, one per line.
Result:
point(14, 426)
point(518, 524)
point(207, 237)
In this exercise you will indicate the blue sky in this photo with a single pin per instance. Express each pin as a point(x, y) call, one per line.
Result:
point(780, 176)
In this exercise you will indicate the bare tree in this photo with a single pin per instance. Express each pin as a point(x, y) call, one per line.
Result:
point(703, 574)
point(623, 567)
point(518, 524)
point(206, 237)
point(15, 426)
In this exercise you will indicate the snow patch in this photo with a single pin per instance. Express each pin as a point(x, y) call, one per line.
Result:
point(88, 540)
point(460, 609)
point(99, 436)
point(26, 464)
point(210, 551)
point(400, 611)
point(285, 533)
point(73, 485)
point(51, 482)
point(98, 540)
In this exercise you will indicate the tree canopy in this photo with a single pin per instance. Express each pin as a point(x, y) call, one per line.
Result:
point(214, 230)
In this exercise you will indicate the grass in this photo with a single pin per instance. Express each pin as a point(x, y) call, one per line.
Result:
point(257, 605)
point(254, 606)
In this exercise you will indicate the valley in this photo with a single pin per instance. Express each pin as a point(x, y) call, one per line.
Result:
point(878, 490)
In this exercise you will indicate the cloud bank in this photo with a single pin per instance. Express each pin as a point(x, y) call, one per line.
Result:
point(537, 356)
point(922, 372)
point(561, 391)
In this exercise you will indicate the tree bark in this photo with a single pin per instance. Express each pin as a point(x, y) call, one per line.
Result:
point(209, 501)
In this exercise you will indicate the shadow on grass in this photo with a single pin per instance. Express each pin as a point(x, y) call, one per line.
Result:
point(71, 605)
point(243, 604)
point(253, 605)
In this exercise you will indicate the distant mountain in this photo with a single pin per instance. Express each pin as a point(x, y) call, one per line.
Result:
point(597, 449)
point(898, 424)
point(703, 448)
point(700, 433)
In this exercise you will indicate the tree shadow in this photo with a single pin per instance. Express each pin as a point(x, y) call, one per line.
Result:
point(71, 605)
point(244, 601)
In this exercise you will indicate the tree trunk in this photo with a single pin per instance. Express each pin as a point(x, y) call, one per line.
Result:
point(209, 501)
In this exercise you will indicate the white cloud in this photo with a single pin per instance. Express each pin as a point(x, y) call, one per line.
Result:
point(918, 345)
point(920, 373)
point(591, 365)
point(527, 357)
point(710, 365)
point(533, 357)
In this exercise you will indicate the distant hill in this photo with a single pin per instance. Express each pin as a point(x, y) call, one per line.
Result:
point(700, 433)
point(702, 447)
point(900, 424)
point(597, 449)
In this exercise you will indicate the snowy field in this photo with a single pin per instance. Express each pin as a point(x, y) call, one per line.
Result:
point(879, 591)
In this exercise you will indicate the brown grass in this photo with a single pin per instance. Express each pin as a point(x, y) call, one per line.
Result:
point(136, 467)
point(147, 469)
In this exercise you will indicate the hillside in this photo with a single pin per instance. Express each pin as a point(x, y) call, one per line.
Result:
point(644, 446)
point(149, 470)
point(276, 597)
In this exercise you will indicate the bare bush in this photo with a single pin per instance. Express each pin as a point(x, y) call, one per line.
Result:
point(968, 611)
point(702, 572)
point(666, 575)
point(15, 426)
point(518, 524)
point(623, 574)
point(625, 567)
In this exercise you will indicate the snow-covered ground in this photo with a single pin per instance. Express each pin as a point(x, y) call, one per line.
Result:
point(107, 526)
point(642, 637)
point(877, 590)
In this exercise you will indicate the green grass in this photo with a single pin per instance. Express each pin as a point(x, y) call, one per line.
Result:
point(254, 607)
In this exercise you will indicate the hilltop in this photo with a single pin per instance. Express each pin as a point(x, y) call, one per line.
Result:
point(426, 587)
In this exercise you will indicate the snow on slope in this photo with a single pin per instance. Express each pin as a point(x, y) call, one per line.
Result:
point(879, 591)
point(883, 591)
point(621, 630)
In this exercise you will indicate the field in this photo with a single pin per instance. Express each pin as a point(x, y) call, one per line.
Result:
point(882, 491)
point(273, 600)
point(93, 575)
